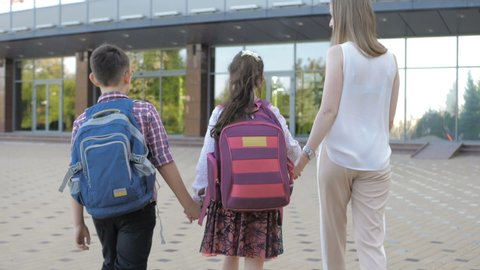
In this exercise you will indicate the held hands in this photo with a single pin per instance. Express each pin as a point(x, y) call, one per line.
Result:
point(300, 165)
point(193, 211)
point(82, 236)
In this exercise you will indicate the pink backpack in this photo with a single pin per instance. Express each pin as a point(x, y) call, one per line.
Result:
point(250, 170)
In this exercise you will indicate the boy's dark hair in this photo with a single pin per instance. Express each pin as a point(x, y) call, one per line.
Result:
point(246, 73)
point(109, 63)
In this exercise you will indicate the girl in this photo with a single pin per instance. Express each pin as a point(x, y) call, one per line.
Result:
point(355, 116)
point(256, 236)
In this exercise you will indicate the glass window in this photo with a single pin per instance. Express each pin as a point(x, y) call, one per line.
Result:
point(18, 5)
point(68, 103)
point(311, 55)
point(5, 6)
point(144, 60)
point(221, 88)
point(398, 130)
point(429, 99)
point(469, 52)
point(24, 70)
point(69, 67)
point(23, 106)
point(397, 47)
point(270, 55)
point(224, 56)
point(48, 68)
point(46, 3)
point(469, 104)
point(432, 52)
point(71, 1)
point(173, 104)
point(308, 98)
point(174, 59)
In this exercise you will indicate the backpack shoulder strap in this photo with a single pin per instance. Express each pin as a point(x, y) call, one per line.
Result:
point(265, 107)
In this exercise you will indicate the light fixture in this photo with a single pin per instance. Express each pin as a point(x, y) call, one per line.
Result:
point(82, 39)
point(39, 43)
point(238, 27)
point(203, 10)
point(45, 26)
point(71, 23)
point(429, 30)
point(383, 19)
point(288, 4)
point(166, 14)
point(126, 35)
point(20, 29)
point(287, 36)
point(132, 17)
point(231, 39)
point(244, 7)
point(100, 20)
point(299, 23)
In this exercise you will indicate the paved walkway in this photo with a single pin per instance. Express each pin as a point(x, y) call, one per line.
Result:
point(433, 216)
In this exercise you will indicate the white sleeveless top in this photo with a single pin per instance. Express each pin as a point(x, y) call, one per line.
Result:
point(359, 137)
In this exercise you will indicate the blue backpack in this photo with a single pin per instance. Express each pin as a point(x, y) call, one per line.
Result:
point(110, 173)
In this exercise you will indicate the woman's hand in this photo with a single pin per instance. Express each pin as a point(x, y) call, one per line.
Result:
point(300, 165)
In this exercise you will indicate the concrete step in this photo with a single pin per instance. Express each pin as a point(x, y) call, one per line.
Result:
point(438, 150)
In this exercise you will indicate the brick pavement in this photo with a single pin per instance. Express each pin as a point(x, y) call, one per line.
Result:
point(433, 216)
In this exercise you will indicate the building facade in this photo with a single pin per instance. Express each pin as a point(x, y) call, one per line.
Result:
point(180, 51)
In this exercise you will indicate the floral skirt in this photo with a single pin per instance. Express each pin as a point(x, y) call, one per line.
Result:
point(243, 234)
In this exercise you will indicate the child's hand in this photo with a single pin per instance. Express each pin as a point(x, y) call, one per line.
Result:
point(193, 211)
point(82, 236)
point(299, 166)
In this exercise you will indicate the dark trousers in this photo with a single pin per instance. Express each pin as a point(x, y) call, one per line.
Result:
point(127, 239)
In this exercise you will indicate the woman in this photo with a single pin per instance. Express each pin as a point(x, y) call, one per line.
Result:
point(353, 122)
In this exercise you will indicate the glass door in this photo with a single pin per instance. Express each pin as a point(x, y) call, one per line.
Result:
point(279, 91)
point(47, 107)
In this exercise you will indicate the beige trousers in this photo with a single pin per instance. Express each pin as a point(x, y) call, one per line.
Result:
point(368, 193)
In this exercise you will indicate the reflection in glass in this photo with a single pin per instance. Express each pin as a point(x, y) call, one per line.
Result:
point(24, 70)
point(173, 104)
point(398, 130)
point(147, 89)
point(308, 98)
point(270, 55)
point(431, 97)
point(40, 116)
point(469, 104)
point(23, 106)
point(224, 56)
point(310, 68)
point(280, 89)
point(174, 59)
point(53, 108)
point(311, 55)
point(69, 67)
point(397, 47)
point(145, 60)
point(469, 53)
point(68, 104)
point(48, 68)
point(22, 5)
point(46, 3)
point(432, 52)
point(221, 88)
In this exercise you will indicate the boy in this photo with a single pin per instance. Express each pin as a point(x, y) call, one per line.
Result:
point(126, 239)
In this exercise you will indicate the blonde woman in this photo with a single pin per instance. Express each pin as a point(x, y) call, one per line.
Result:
point(355, 117)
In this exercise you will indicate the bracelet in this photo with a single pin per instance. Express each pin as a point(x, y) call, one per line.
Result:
point(309, 152)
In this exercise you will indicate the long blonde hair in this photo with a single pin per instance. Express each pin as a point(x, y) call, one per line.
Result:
point(354, 20)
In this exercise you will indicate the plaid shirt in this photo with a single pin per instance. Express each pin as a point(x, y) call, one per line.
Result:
point(150, 125)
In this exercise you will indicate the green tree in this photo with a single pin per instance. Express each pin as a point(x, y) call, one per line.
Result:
point(469, 120)
point(434, 123)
